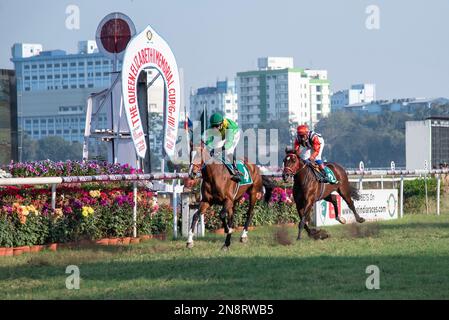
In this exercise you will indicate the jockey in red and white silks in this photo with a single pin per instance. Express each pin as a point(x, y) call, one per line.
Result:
point(309, 145)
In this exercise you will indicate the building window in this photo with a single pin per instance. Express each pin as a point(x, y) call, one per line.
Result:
point(97, 63)
point(73, 75)
point(73, 64)
point(64, 65)
point(89, 63)
point(81, 64)
point(73, 86)
point(33, 66)
point(57, 65)
point(27, 67)
point(82, 86)
point(41, 66)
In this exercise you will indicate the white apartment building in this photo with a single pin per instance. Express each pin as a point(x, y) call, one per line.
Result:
point(278, 91)
point(358, 93)
point(221, 98)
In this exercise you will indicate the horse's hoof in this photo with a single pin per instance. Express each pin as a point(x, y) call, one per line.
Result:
point(341, 220)
point(243, 239)
point(324, 235)
point(189, 245)
point(225, 248)
point(361, 220)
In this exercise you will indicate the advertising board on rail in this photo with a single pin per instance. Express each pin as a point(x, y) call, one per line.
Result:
point(373, 205)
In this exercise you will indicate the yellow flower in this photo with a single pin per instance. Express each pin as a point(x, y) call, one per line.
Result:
point(58, 212)
point(24, 210)
point(32, 209)
point(86, 211)
point(95, 193)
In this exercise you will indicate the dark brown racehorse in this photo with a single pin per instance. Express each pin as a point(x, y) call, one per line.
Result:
point(307, 190)
point(217, 188)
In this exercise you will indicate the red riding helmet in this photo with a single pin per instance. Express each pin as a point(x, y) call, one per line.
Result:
point(302, 130)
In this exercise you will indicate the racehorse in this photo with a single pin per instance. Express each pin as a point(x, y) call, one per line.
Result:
point(217, 188)
point(307, 190)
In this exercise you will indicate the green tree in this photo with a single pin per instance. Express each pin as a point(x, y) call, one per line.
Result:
point(57, 149)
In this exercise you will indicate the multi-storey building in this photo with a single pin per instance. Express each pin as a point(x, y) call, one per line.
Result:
point(427, 141)
point(53, 86)
point(221, 98)
point(358, 93)
point(8, 116)
point(278, 91)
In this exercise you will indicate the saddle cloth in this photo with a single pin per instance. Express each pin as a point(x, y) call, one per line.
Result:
point(243, 169)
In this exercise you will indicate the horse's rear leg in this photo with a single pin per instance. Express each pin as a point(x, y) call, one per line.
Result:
point(202, 209)
point(333, 199)
point(345, 193)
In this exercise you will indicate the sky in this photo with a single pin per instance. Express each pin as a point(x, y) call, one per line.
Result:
point(406, 56)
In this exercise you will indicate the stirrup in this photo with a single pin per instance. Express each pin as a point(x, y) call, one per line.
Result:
point(236, 178)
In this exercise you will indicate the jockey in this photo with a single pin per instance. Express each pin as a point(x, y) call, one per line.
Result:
point(313, 144)
point(229, 131)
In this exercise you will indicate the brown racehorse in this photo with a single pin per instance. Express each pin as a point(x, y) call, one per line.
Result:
point(307, 190)
point(218, 188)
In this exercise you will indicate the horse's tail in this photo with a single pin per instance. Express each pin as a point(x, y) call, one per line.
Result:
point(269, 186)
point(355, 194)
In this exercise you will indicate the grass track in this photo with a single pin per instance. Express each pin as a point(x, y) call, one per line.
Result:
point(412, 254)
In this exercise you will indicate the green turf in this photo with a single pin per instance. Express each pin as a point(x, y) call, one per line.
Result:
point(412, 254)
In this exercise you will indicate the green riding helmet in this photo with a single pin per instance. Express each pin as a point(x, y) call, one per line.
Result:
point(216, 119)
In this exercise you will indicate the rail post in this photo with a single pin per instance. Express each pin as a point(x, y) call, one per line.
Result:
point(135, 209)
point(53, 196)
point(402, 197)
point(175, 206)
point(438, 193)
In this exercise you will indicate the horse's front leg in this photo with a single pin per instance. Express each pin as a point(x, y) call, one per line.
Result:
point(202, 209)
point(228, 212)
point(303, 211)
point(249, 215)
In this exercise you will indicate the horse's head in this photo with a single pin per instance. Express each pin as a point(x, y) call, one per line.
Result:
point(198, 155)
point(292, 163)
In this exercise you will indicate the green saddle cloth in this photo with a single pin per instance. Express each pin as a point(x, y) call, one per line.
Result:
point(241, 166)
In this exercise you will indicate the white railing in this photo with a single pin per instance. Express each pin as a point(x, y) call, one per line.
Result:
point(355, 176)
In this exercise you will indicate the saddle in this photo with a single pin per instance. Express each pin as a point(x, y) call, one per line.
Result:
point(317, 172)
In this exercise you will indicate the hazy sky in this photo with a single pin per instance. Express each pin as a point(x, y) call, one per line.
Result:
point(407, 57)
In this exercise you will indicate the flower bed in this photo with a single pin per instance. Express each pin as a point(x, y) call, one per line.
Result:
point(26, 216)
point(97, 211)
point(48, 168)
point(279, 210)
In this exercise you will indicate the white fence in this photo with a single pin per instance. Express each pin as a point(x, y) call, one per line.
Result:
point(358, 176)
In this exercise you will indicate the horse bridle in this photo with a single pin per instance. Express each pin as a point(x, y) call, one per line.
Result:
point(291, 171)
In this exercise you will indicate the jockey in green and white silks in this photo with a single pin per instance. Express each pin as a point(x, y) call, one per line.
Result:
point(230, 134)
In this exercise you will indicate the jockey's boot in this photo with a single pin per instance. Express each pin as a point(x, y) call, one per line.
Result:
point(328, 174)
point(236, 175)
